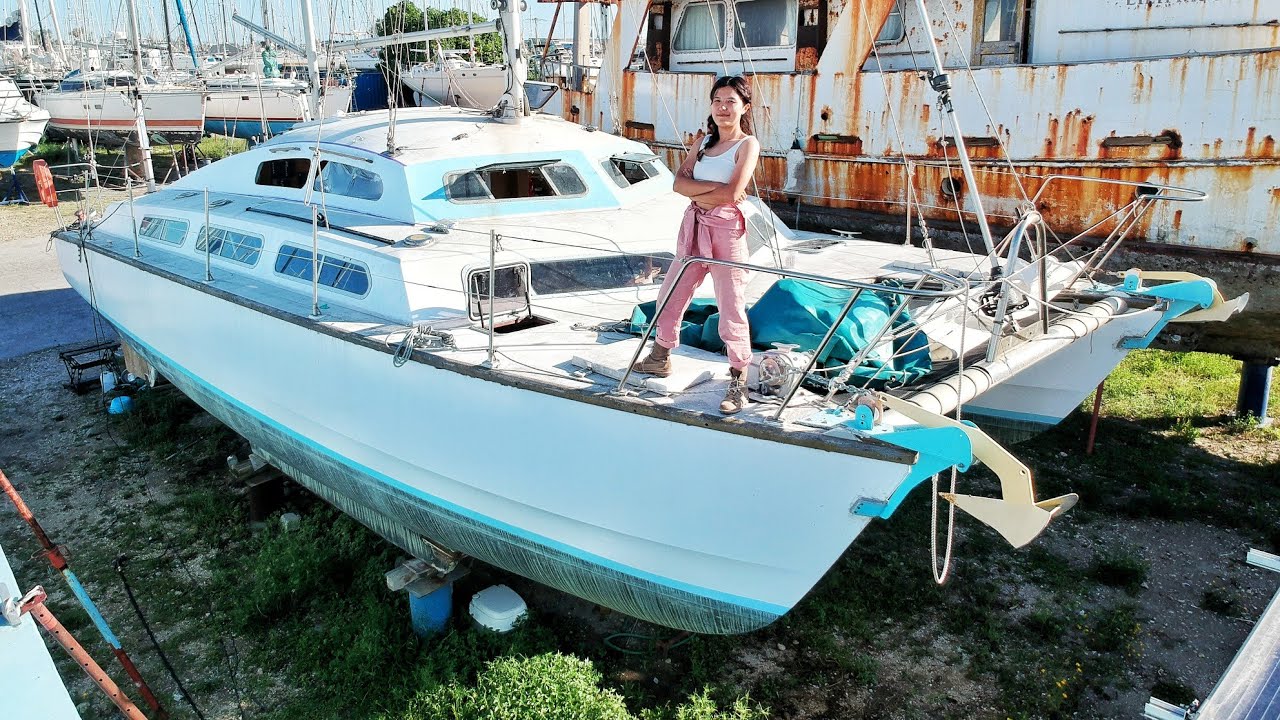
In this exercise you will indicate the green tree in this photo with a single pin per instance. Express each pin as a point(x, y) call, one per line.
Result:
point(405, 16)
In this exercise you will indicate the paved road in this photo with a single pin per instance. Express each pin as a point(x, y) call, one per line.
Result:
point(38, 310)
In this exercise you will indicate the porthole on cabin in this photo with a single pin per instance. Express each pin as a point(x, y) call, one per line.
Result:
point(284, 172)
point(345, 275)
point(512, 309)
point(236, 246)
point(515, 181)
point(343, 179)
point(164, 229)
point(631, 168)
point(600, 273)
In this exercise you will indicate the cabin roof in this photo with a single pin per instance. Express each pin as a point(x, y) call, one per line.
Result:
point(423, 134)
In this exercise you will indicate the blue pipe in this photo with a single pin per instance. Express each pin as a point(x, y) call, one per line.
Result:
point(78, 590)
point(186, 30)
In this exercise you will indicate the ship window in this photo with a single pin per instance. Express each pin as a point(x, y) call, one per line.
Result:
point(627, 170)
point(345, 275)
point(894, 30)
point(343, 179)
point(600, 273)
point(510, 299)
point(701, 27)
point(170, 231)
point(231, 245)
point(764, 23)
point(514, 181)
point(285, 172)
point(1000, 21)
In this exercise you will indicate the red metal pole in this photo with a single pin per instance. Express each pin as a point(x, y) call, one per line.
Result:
point(1093, 419)
point(34, 603)
point(59, 562)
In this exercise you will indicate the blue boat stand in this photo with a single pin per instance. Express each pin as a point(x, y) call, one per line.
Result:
point(430, 593)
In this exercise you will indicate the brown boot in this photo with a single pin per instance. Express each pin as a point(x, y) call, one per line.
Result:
point(736, 398)
point(657, 364)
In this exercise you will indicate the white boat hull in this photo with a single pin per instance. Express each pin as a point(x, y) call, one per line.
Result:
point(17, 137)
point(690, 527)
point(107, 116)
point(257, 112)
point(478, 88)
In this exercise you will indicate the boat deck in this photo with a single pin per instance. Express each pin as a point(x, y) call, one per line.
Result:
point(29, 682)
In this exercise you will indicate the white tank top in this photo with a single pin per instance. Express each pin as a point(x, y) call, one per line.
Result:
point(717, 168)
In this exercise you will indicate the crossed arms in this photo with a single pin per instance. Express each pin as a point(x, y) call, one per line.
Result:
point(708, 193)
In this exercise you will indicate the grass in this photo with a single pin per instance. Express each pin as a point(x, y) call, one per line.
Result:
point(310, 606)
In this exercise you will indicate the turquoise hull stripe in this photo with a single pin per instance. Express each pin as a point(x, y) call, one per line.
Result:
point(756, 605)
point(1012, 415)
point(9, 158)
point(245, 128)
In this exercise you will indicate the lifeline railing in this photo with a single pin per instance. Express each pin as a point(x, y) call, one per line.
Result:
point(954, 288)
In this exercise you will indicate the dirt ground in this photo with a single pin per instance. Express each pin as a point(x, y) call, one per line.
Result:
point(51, 441)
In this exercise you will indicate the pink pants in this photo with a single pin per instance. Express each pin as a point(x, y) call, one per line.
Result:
point(719, 233)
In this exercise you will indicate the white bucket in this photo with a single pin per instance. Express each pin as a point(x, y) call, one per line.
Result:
point(497, 608)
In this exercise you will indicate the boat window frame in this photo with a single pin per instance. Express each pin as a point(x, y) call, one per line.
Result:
point(525, 165)
point(186, 228)
point(645, 161)
point(478, 305)
point(725, 35)
point(257, 175)
point(793, 10)
point(901, 35)
point(222, 242)
point(355, 171)
point(324, 259)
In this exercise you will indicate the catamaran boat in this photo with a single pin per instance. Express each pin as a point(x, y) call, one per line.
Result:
point(98, 106)
point(21, 124)
point(482, 278)
point(250, 106)
point(455, 79)
point(1173, 92)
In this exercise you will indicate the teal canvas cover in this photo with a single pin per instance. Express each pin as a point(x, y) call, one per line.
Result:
point(799, 312)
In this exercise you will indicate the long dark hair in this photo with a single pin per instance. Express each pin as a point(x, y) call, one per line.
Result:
point(741, 86)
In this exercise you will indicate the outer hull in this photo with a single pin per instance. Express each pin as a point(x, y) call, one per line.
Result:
point(17, 137)
point(479, 88)
point(107, 116)
point(242, 112)
point(719, 533)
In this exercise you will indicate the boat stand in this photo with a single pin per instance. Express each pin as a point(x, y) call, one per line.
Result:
point(1255, 389)
point(15, 195)
point(84, 357)
point(430, 586)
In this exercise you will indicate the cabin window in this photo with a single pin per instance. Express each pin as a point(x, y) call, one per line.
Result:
point(232, 245)
point(701, 27)
point(157, 228)
point(894, 30)
point(285, 172)
point(343, 179)
point(514, 181)
point(600, 273)
point(510, 297)
point(1000, 21)
point(345, 275)
point(627, 170)
point(764, 23)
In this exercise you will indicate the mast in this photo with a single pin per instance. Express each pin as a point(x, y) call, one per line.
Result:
point(581, 45)
point(512, 106)
point(57, 32)
point(140, 120)
point(313, 67)
point(186, 31)
point(941, 84)
point(168, 41)
point(24, 28)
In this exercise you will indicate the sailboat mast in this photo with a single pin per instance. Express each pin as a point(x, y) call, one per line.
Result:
point(24, 28)
point(313, 66)
point(941, 83)
point(168, 41)
point(186, 32)
point(513, 103)
point(57, 32)
point(139, 115)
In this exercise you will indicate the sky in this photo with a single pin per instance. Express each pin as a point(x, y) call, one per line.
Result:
point(343, 18)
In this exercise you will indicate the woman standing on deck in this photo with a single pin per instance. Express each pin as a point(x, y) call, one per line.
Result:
point(714, 177)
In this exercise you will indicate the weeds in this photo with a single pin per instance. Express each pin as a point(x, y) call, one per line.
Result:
point(1122, 568)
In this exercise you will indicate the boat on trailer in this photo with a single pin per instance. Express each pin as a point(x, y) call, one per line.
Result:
point(428, 318)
